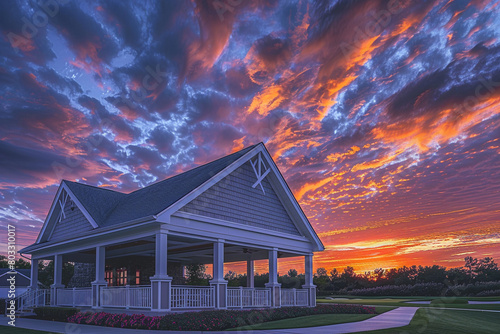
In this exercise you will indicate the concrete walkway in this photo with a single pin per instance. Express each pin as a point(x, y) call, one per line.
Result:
point(391, 319)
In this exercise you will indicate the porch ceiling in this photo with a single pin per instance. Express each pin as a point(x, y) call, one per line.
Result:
point(184, 250)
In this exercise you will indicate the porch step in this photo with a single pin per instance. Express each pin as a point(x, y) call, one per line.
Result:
point(25, 313)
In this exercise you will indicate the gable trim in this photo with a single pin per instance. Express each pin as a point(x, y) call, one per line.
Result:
point(16, 273)
point(210, 182)
point(54, 205)
point(292, 199)
point(216, 221)
point(51, 211)
point(81, 207)
point(231, 168)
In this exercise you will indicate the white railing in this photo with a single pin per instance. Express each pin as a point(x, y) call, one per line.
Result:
point(32, 298)
point(301, 297)
point(74, 297)
point(294, 297)
point(248, 297)
point(126, 296)
point(192, 297)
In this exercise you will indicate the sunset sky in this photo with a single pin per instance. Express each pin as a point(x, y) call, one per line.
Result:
point(383, 116)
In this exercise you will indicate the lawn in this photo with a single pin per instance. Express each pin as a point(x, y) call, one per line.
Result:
point(435, 321)
point(439, 302)
point(307, 321)
point(312, 321)
point(17, 330)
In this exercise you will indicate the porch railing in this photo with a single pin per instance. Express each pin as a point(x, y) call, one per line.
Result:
point(248, 297)
point(294, 297)
point(31, 298)
point(192, 297)
point(126, 296)
point(74, 297)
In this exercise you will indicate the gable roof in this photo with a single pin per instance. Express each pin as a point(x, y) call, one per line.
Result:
point(108, 207)
point(23, 279)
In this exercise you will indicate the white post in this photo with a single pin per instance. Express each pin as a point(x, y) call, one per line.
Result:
point(241, 297)
point(161, 283)
point(74, 296)
point(311, 288)
point(34, 274)
point(127, 297)
point(58, 265)
point(218, 281)
point(100, 270)
point(273, 278)
point(250, 274)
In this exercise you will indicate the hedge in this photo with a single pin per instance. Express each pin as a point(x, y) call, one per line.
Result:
point(429, 289)
point(211, 320)
point(55, 313)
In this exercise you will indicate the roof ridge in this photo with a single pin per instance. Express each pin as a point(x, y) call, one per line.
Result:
point(95, 187)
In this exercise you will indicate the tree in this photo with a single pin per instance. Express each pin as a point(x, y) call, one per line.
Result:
point(334, 274)
point(379, 274)
point(321, 272)
point(19, 263)
point(470, 267)
point(292, 273)
point(46, 273)
point(487, 270)
point(196, 274)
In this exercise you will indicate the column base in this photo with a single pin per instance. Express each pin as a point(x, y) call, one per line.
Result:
point(96, 293)
point(311, 294)
point(220, 293)
point(275, 294)
point(53, 293)
point(161, 292)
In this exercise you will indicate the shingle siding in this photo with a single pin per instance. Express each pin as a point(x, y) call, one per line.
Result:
point(233, 199)
point(74, 223)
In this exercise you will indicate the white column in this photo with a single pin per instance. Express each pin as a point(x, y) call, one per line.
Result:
point(273, 266)
point(273, 278)
point(100, 282)
point(218, 282)
point(250, 274)
point(100, 264)
point(308, 264)
point(218, 266)
point(58, 265)
point(161, 283)
point(34, 274)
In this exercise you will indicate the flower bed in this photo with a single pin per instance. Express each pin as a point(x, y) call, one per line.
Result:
point(211, 320)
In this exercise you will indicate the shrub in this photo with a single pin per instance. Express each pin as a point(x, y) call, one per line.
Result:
point(2, 305)
point(489, 293)
point(55, 313)
point(420, 289)
point(211, 320)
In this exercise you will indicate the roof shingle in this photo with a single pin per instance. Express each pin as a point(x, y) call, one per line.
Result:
point(108, 207)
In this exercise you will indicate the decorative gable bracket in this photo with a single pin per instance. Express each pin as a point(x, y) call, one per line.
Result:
point(64, 195)
point(258, 166)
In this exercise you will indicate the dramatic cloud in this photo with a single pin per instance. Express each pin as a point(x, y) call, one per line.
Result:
point(384, 116)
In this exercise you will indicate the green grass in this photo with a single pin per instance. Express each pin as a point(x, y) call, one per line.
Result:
point(307, 321)
point(438, 302)
point(17, 330)
point(312, 320)
point(435, 321)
